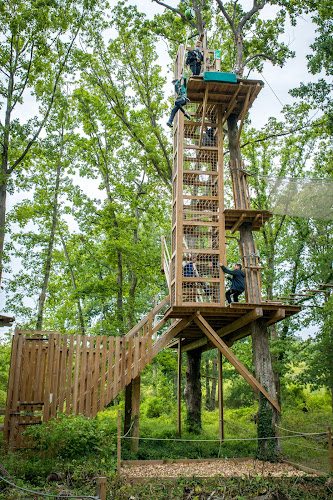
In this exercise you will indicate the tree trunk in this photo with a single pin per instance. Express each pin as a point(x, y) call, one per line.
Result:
point(3, 196)
point(212, 402)
point(267, 415)
point(79, 308)
point(207, 386)
point(42, 296)
point(192, 392)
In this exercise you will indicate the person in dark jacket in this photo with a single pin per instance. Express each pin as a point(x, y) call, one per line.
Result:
point(181, 99)
point(237, 282)
point(194, 59)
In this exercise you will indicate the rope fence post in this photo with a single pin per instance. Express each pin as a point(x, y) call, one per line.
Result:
point(119, 442)
point(330, 448)
point(101, 488)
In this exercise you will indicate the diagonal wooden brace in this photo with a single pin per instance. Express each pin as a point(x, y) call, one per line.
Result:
point(224, 349)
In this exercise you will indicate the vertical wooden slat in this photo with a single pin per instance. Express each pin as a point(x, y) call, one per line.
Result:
point(222, 242)
point(83, 374)
point(69, 373)
point(136, 356)
point(55, 384)
point(116, 369)
point(75, 406)
point(129, 361)
point(48, 381)
point(62, 379)
point(95, 379)
point(103, 369)
point(110, 372)
point(143, 347)
point(12, 380)
point(90, 367)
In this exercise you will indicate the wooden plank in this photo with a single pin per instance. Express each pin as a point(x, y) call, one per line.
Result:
point(47, 392)
point(129, 358)
point(232, 104)
point(97, 364)
point(110, 375)
point(69, 406)
point(224, 349)
point(90, 367)
point(171, 333)
point(136, 413)
point(195, 344)
point(242, 115)
point(237, 224)
point(144, 320)
point(204, 107)
point(12, 380)
point(136, 356)
point(116, 368)
point(221, 219)
point(83, 372)
point(277, 316)
point(240, 322)
point(103, 370)
point(55, 382)
point(62, 379)
point(75, 407)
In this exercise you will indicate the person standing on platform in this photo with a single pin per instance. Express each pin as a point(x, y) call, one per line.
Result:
point(194, 59)
point(181, 99)
point(237, 286)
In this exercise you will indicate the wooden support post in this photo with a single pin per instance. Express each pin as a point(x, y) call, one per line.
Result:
point(330, 447)
point(101, 488)
point(222, 347)
point(204, 107)
point(179, 387)
point(220, 389)
point(136, 413)
point(119, 441)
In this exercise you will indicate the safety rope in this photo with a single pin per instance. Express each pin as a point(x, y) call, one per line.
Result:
point(210, 440)
point(47, 494)
point(302, 433)
point(128, 430)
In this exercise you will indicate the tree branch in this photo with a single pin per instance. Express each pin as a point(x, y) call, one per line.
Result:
point(256, 7)
point(228, 18)
point(177, 11)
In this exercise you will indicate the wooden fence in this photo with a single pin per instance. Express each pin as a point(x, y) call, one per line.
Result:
point(51, 373)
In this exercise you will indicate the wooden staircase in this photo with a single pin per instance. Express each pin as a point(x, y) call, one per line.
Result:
point(51, 373)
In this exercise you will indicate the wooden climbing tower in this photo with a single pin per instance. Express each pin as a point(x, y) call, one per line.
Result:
point(52, 373)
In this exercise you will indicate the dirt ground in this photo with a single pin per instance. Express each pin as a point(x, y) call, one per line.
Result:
point(223, 467)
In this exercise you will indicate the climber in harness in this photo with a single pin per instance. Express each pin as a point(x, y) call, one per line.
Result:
point(237, 282)
point(194, 59)
point(181, 99)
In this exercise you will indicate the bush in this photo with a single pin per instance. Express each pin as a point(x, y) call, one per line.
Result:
point(68, 436)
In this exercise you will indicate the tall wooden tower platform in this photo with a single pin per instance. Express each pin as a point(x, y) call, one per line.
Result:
point(201, 224)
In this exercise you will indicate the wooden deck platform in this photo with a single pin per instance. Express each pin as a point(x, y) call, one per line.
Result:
point(231, 322)
point(234, 96)
point(235, 218)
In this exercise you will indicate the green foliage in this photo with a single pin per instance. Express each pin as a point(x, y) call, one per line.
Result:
point(69, 437)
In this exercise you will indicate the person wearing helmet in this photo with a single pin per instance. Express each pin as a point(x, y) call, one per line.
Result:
point(194, 59)
point(181, 99)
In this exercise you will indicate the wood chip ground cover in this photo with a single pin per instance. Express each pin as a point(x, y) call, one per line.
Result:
point(223, 467)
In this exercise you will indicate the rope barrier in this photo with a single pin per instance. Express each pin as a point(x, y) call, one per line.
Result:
point(302, 433)
point(209, 440)
point(128, 430)
point(47, 494)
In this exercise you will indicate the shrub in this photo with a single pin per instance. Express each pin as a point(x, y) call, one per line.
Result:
point(68, 436)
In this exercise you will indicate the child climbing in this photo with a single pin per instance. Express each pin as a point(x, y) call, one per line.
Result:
point(181, 99)
point(237, 286)
point(194, 59)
